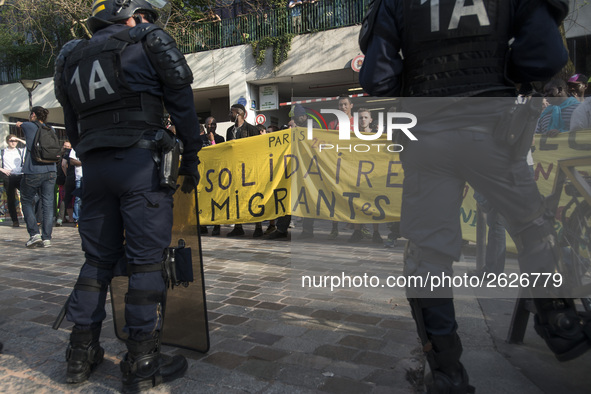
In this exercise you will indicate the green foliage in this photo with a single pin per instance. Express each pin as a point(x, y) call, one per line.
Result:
point(31, 33)
point(189, 9)
point(281, 46)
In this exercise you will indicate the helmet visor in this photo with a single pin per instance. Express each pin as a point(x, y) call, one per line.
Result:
point(163, 9)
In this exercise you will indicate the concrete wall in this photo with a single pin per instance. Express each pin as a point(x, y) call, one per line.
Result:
point(310, 53)
point(578, 23)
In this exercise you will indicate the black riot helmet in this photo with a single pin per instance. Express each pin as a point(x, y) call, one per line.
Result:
point(107, 12)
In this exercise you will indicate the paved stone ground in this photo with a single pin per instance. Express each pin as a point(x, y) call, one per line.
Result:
point(268, 334)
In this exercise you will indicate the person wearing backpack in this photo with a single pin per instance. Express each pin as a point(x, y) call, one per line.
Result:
point(11, 169)
point(38, 178)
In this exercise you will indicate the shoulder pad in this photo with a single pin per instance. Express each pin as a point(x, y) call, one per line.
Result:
point(138, 32)
point(369, 21)
point(169, 62)
point(60, 63)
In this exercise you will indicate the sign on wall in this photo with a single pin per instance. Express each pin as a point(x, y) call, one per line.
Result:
point(268, 97)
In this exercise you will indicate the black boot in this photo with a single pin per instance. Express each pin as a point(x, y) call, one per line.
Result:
point(565, 333)
point(144, 367)
point(83, 354)
point(448, 375)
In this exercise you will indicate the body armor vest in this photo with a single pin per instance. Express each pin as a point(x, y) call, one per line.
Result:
point(454, 49)
point(103, 100)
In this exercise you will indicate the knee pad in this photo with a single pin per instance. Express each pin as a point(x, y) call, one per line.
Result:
point(421, 260)
point(146, 306)
point(101, 271)
point(91, 284)
point(422, 264)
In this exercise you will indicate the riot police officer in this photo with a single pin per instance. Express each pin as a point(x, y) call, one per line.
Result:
point(112, 88)
point(451, 48)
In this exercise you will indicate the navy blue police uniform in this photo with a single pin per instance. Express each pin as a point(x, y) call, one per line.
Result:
point(459, 50)
point(112, 88)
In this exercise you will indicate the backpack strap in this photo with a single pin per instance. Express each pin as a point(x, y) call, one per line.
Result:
point(21, 152)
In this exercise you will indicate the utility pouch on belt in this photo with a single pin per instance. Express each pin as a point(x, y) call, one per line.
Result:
point(517, 126)
point(171, 149)
point(178, 266)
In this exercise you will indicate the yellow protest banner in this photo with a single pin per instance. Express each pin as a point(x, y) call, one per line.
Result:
point(549, 151)
point(264, 177)
point(346, 180)
point(245, 180)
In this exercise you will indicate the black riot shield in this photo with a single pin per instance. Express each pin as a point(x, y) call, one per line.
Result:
point(185, 313)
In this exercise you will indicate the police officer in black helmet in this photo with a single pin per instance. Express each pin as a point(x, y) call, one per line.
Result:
point(113, 88)
point(467, 49)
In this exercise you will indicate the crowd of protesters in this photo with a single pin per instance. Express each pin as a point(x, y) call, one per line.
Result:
point(565, 108)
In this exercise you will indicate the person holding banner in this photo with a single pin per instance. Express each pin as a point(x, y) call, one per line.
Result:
point(359, 230)
point(211, 126)
point(241, 129)
point(557, 115)
point(299, 118)
point(442, 49)
point(577, 86)
point(581, 117)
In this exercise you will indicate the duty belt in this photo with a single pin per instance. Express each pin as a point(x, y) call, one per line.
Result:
point(114, 118)
point(146, 144)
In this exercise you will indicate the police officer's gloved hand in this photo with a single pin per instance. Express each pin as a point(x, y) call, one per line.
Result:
point(189, 168)
point(190, 183)
point(191, 179)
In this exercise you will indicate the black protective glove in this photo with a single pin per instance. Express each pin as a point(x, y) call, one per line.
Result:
point(190, 183)
point(191, 172)
point(189, 167)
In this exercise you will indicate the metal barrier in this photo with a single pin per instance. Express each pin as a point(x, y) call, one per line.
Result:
point(305, 18)
point(12, 73)
point(276, 22)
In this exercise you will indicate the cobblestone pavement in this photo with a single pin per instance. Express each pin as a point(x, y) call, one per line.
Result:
point(268, 334)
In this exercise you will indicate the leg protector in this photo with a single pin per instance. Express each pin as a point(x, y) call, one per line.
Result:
point(424, 262)
point(443, 353)
point(559, 324)
point(84, 354)
point(448, 375)
point(144, 367)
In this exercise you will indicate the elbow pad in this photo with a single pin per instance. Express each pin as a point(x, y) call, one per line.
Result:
point(169, 62)
point(60, 63)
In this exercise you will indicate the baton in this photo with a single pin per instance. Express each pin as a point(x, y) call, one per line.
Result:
point(60, 317)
